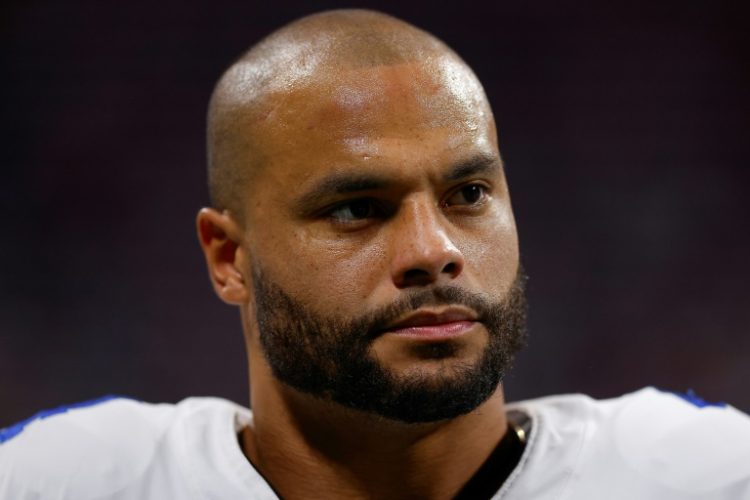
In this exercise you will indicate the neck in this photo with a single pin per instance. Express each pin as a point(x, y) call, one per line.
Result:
point(302, 444)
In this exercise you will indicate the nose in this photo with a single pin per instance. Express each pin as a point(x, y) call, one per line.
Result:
point(422, 251)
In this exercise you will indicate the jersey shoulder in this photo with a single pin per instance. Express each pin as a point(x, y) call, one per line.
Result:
point(682, 442)
point(647, 444)
point(86, 450)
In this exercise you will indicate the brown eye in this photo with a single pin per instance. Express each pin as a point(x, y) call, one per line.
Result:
point(353, 210)
point(470, 194)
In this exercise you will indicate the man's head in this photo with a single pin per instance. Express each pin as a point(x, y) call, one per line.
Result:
point(363, 222)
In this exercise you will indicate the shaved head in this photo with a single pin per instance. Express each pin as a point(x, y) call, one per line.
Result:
point(315, 55)
point(355, 165)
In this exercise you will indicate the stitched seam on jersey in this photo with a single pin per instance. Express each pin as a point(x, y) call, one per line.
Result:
point(187, 468)
point(564, 490)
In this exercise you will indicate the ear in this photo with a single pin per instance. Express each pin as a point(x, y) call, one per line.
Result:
point(220, 236)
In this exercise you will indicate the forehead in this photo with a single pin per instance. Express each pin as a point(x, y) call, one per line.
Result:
point(399, 115)
point(439, 91)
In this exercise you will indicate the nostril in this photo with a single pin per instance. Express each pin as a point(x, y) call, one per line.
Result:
point(450, 268)
point(416, 277)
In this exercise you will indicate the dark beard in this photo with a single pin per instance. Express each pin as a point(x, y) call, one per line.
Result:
point(330, 358)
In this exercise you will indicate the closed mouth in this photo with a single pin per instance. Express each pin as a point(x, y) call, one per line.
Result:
point(434, 324)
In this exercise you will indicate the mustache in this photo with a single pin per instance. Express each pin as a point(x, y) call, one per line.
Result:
point(375, 322)
point(369, 325)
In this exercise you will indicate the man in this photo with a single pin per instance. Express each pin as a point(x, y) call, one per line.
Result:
point(362, 224)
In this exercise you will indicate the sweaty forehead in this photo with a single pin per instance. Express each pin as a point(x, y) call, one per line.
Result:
point(393, 100)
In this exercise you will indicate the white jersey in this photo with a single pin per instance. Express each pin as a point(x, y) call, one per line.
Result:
point(642, 446)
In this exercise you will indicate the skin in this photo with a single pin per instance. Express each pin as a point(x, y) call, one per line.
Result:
point(415, 126)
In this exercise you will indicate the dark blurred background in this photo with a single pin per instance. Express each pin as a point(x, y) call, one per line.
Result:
point(624, 126)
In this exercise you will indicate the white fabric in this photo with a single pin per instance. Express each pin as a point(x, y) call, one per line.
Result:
point(645, 445)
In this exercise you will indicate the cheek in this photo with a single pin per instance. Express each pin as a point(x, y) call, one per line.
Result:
point(491, 254)
point(328, 274)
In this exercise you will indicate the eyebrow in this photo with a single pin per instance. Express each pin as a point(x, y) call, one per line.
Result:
point(339, 184)
point(342, 183)
point(476, 165)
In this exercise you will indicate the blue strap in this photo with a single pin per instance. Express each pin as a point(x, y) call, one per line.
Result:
point(691, 397)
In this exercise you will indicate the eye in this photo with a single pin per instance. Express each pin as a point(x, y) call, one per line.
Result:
point(470, 194)
point(354, 210)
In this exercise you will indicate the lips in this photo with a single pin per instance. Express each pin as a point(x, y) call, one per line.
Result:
point(434, 325)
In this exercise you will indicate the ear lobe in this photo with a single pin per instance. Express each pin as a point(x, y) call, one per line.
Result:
point(219, 236)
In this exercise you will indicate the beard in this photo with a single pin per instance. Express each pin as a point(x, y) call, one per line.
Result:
point(331, 358)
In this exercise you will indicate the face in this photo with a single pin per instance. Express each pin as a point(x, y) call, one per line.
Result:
point(381, 244)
